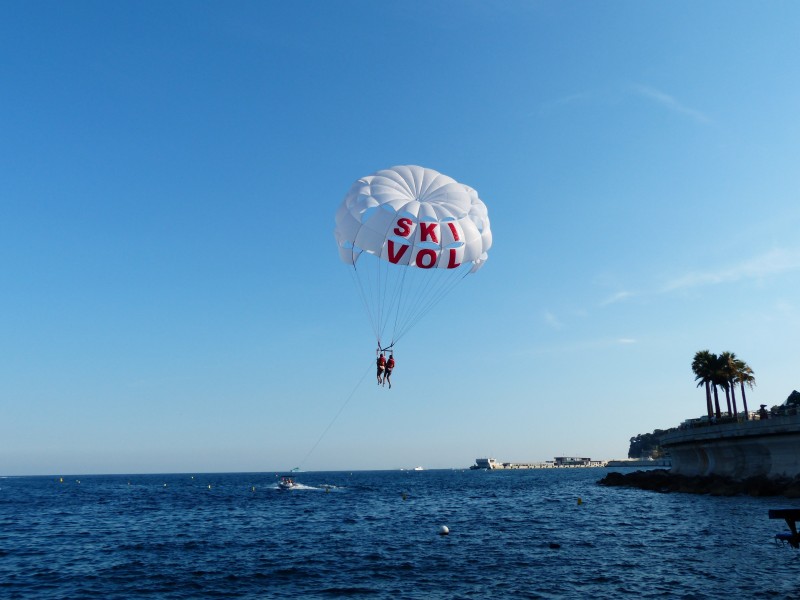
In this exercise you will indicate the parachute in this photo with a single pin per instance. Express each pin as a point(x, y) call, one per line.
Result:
point(411, 235)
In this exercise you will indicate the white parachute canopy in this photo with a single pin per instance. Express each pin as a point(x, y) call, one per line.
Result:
point(410, 234)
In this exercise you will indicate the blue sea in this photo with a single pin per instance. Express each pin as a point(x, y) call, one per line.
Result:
point(376, 534)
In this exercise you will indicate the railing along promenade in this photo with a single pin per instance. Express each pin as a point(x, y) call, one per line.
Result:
point(726, 417)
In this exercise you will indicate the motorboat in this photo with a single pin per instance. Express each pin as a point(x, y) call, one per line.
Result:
point(286, 483)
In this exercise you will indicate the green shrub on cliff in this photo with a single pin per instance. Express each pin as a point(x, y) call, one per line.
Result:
point(646, 445)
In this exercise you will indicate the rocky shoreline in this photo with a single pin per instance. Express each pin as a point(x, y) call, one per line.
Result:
point(661, 480)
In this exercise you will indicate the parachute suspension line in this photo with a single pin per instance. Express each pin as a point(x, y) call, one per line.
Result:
point(397, 297)
point(352, 393)
point(374, 296)
point(411, 301)
point(379, 297)
point(383, 268)
point(392, 288)
point(445, 286)
point(441, 294)
point(399, 300)
point(414, 288)
point(364, 299)
point(372, 282)
point(425, 283)
point(377, 279)
point(387, 288)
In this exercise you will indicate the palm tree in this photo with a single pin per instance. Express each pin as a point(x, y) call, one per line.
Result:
point(728, 368)
point(744, 375)
point(725, 371)
point(702, 366)
point(719, 377)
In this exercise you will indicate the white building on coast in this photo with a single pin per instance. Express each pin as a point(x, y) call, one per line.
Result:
point(559, 462)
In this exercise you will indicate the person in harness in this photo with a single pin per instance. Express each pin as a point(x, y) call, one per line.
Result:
point(381, 362)
point(387, 373)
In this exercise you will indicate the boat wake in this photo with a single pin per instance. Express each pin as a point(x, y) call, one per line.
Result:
point(308, 488)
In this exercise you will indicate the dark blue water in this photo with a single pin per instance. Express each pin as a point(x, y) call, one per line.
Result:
point(519, 534)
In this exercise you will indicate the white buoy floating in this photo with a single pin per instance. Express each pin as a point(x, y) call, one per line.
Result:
point(443, 530)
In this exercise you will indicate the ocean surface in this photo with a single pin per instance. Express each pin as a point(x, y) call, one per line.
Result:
point(513, 534)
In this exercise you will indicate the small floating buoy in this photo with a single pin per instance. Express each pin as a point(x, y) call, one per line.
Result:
point(165, 485)
point(60, 480)
point(405, 496)
point(209, 486)
point(253, 488)
point(443, 530)
point(580, 501)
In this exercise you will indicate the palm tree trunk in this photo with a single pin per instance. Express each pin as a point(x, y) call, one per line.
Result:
point(744, 401)
point(716, 402)
point(708, 400)
point(733, 398)
point(728, 400)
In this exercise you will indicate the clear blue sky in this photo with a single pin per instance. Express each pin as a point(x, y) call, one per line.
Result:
point(171, 298)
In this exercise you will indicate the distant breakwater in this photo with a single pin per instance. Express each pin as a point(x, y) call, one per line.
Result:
point(661, 480)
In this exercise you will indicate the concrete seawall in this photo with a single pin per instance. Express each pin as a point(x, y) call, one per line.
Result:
point(769, 448)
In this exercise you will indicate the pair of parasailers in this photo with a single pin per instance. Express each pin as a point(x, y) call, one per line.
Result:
point(385, 369)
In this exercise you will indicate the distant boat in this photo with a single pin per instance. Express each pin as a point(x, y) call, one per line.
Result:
point(418, 469)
